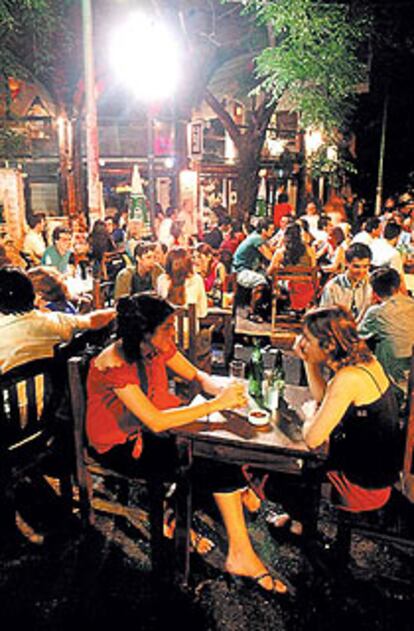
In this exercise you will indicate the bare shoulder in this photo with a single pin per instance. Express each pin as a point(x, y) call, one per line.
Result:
point(110, 357)
point(363, 381)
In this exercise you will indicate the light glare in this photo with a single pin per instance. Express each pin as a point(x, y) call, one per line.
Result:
point(145, 57)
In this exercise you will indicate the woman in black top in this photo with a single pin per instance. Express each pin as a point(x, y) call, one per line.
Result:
point(357, 410)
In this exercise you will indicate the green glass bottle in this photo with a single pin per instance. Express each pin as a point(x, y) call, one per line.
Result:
point(256, 373)
point(279, 373)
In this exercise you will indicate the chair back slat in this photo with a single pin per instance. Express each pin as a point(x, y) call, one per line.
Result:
point(27, 402)
point(186, 325)
point(32, 407)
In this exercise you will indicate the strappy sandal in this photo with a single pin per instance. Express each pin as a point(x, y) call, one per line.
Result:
point(253, 583)
point(200, 544)
point(251, 501)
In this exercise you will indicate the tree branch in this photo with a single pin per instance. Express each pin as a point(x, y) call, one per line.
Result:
point(223, 115)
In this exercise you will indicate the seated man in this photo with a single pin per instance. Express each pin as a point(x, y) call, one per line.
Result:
point(246, 262)
point(34, 244)
point(142, 277)
point(26, 333)
point(59, 254)
point(385, 253)
point(351, 289)
point(390, 324)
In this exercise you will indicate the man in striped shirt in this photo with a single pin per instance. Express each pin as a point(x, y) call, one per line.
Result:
point(351, 289)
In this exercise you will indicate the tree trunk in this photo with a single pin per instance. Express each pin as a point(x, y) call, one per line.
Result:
point(248, 174)
point(249, 145)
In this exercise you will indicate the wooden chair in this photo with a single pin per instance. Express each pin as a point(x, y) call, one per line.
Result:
point(394, 522)
point(290, 275)
point(31, 438)
point(86, 467)
point(188, 342)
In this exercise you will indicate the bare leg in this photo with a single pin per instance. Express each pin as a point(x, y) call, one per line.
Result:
point(257, 293)
point(241, 557)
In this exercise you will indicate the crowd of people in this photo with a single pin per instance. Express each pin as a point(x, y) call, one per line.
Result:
point(361, 334)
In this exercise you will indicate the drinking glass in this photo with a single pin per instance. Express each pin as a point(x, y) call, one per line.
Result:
point(237, 369)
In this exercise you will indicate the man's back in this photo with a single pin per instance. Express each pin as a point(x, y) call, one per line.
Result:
point(247, 255)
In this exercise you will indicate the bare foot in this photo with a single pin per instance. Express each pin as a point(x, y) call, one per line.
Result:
point(296, 528)
point(200, 544)
point(252, 567)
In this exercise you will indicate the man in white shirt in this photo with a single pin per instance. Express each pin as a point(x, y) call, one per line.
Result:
point(384, 251)
point(312, 217)
point(26, 333)
point(371, 232)
point(164, 231)
point(34, 244)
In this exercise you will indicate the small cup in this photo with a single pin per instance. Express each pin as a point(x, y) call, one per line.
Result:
point(258, 418)
point(227, 300)
point(237, 369)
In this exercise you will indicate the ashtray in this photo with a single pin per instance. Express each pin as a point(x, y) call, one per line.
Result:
point(259, 418)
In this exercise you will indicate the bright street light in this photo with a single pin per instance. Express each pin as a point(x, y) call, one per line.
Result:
point(145, 55)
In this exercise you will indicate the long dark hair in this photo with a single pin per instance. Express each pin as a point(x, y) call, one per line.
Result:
point(137, 318)
point(16, 291)
point(294, 246)
point(178, 267)
point(336, 331)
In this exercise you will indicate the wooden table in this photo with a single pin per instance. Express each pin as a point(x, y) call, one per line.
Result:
point(238, 442)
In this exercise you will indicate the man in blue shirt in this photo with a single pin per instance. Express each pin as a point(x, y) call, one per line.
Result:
point(247, 260)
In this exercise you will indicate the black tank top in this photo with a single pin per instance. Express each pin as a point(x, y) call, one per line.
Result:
point(367, 444)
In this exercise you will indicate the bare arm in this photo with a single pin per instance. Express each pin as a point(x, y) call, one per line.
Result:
point(162, 420)
point(340, 393)
point(100, 318)
point(275, 262)
point(185, 369)
point(266, 251)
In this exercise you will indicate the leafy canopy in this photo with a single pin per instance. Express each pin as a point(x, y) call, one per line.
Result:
point(315, 57)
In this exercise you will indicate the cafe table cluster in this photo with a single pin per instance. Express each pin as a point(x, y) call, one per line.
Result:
point(276, 447)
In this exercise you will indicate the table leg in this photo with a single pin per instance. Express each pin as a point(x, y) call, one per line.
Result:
point(183, 498)
point(156, 511)
point(311, 505)
point(228, 338)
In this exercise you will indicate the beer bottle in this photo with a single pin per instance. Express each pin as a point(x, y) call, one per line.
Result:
point(256, 371)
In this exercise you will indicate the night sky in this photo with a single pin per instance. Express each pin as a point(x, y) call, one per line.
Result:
point(392, 72)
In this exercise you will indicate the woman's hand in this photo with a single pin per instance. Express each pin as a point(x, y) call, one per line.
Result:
point(299, 347)
point(234, 396)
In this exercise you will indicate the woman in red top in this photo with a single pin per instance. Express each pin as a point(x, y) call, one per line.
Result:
point(128, 395)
